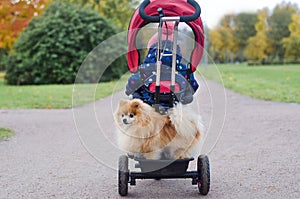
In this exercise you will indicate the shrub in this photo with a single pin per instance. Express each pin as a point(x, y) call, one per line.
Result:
point(53, 46)
point(3, 55)
point(268, 62)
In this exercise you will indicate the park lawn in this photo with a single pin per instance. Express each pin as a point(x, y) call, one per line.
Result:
point(6, 133)
point(275, 83)
point(54, 96)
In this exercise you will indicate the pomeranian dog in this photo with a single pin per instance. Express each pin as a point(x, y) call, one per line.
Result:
point(144, 133)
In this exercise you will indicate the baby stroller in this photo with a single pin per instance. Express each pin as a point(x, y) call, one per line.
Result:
point(162, 80)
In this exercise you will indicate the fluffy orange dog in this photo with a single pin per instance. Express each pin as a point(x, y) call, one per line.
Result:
point(142, 132)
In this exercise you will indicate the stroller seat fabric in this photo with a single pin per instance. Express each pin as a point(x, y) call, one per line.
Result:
point(142, 83)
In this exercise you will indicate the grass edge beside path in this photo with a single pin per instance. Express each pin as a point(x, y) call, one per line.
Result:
point(279, 83)
point(6, 133)
point(55, 96)
point(272, 83)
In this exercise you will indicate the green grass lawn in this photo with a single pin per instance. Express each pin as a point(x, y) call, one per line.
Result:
point(6, 133)
point(275, 83)
point(54, 96)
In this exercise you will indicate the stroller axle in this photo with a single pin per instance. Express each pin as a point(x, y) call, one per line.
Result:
point(137, 175)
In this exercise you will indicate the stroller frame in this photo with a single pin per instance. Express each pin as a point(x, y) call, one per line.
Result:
point(159, 55)
point(165, 169)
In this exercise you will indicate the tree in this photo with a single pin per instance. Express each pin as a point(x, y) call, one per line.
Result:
point(119, 11)
point(259, 46)
point(15, 15)
point(278, 27)
point(223, 44)
point(291, 44)
point(53, 46)
point(244, 29)
point(216, 45)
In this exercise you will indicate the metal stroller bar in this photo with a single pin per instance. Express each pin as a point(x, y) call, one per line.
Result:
point(158, 60)
point(175, 36)
point(158, 63)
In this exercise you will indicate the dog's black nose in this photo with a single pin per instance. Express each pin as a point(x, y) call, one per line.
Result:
point(125, 121)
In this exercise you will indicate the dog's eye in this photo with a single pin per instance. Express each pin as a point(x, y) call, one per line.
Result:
point(131, 115)
point(122, 115)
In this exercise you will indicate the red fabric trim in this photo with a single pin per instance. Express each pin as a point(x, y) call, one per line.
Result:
point(164, 87)
point(171, 8)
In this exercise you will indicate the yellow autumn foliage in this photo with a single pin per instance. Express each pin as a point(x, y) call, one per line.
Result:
point(259, 46)
point(291, 44)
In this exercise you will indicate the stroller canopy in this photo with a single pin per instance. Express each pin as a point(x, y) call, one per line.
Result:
point(170, 8)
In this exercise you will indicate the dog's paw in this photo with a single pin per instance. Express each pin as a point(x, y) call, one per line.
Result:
point(181, 154)
point(135, 155)
point(130, 155)
point(153, 155)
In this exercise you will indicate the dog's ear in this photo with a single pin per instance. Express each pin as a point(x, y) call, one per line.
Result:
point(136, 103)
point(123, 102)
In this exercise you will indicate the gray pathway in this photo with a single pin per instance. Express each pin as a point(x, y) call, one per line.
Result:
point(257, 155)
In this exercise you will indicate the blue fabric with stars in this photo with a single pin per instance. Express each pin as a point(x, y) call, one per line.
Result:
point(139, 82)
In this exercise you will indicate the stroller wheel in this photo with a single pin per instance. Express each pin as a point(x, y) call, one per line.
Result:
point(123, 175)
point(203, 174)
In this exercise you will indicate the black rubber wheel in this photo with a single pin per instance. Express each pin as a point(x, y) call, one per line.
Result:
point(203, 174)
point(123, 175)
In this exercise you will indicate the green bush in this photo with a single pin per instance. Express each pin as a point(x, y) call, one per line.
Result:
point(253, 63)
point(273, 63)
point(53, 46)
point(3, 55)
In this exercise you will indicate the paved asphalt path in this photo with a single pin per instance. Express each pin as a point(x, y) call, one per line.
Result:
point(257, 154)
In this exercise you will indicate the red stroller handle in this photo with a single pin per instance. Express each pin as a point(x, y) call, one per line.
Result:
point(188, 18)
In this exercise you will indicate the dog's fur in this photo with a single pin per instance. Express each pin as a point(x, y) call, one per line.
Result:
point(142, 132)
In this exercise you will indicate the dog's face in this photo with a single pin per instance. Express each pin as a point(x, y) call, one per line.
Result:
point(129, 113)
